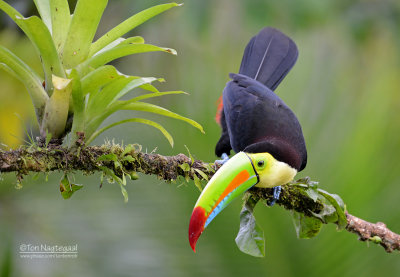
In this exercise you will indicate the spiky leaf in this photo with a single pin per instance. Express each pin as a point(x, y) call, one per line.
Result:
point(146, 107)
point(28, 78)
point(43, 7)
point(60, 20)
point(41, 38)
point(78, 105)
point(128, 25)
point(81, 31)
point(98, 78)
point(120, 51)
point(138, 120)
point(101, 100)
point(156, 94)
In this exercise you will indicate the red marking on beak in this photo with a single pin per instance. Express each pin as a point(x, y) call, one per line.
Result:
point(196, 225)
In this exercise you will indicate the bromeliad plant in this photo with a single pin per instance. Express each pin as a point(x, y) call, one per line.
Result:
point(78, 85)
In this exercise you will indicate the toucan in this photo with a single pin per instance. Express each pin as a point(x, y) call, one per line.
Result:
point(263, 131)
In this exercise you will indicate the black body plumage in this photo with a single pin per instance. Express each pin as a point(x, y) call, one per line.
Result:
point(254, 119)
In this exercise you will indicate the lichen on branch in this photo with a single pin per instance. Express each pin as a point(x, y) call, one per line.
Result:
point(92, 159)
point(128, 160)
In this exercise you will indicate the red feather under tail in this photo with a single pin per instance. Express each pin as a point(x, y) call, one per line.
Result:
point(220, 106)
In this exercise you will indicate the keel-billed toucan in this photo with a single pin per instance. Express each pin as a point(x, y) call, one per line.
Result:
point(257, 125)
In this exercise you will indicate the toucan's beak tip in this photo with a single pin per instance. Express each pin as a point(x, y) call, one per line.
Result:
point(193, 237)
point(193, 245)
point(196, 225)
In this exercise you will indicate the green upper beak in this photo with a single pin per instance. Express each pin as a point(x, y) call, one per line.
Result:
point(236, 176)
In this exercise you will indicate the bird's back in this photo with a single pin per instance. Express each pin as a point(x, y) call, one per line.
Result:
point(254, 119)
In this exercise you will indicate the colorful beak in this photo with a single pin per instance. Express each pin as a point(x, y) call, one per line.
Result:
point(236, 176)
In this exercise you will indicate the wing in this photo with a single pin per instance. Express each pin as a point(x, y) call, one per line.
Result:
point(223, 144)
point(259, 121)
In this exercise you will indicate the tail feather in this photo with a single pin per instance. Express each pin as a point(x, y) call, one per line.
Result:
point(268, 57)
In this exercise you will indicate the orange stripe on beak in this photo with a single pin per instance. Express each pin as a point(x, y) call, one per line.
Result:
point(237, 181)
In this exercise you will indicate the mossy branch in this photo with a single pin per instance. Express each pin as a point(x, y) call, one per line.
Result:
point(130, 160)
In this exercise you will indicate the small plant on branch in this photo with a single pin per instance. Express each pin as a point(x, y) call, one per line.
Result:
point(78, 89)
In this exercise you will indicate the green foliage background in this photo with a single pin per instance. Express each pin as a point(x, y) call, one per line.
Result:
point(344, 88)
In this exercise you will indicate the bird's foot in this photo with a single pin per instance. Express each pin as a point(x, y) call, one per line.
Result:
point(277, 193)
point(224, 157)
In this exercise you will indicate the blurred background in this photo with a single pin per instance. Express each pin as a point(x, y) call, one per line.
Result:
point(345, 90)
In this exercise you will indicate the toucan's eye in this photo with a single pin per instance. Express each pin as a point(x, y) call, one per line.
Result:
point(260, 163)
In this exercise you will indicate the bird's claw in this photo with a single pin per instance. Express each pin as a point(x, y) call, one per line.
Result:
point(276, 193)
point(224, 157)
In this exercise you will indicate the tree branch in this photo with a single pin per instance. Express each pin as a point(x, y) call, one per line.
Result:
point(130, 159)
point(377, 232)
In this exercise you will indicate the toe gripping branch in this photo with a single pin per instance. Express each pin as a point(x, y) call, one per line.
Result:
point(277, 192)
point(224, 157)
